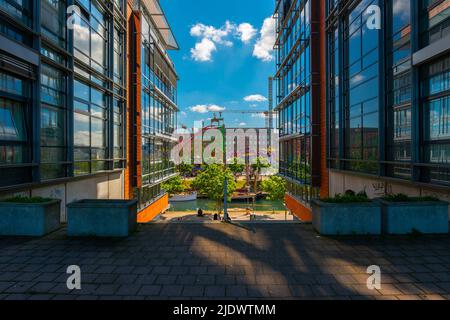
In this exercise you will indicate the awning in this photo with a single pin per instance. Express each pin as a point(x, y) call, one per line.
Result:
point(161, 23)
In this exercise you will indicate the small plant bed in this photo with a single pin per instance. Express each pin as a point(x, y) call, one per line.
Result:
point(348, 197)
point(404, 198)
point(402, 214)
point(29, 216)
point(348, 214)
point(21, 199)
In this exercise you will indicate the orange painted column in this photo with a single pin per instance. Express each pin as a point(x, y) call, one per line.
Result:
point(133, 109)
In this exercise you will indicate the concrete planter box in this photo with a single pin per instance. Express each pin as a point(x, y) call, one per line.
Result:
point(406, 217)
point(29, 219)
point(346, 218)
point(101, 218)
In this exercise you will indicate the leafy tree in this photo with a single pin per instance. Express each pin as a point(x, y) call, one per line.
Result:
point(275, 186)
point(236, 167)
point(174, 185)
point(185, 169)
point(259, 164)
point(210, 182)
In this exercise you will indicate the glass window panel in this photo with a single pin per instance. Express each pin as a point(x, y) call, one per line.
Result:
point(81, 130)
point(52, 126)
point(12, 121)
point(98, 132)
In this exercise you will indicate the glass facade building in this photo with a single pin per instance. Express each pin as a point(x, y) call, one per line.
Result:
point(72, 124)
point(298, 52)
point(158, 107)
point(388, 90)
point(62, 90)
point(154, 107)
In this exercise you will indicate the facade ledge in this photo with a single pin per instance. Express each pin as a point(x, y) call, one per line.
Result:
point(291, 136)
point(166, 137)
point(432, 51)
point(165, 96)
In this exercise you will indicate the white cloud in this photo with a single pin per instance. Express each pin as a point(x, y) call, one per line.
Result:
point(183, 113)
point(203, 50)
point(242, 124)
point(205, 108)
point(210, 37)
point(263, 48)
point(255, 98)
point(246, 32)
point(216, 35)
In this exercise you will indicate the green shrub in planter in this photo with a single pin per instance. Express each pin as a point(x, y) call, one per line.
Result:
point(348, 214)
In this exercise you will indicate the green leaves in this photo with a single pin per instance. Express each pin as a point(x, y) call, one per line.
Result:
point(259, 164)
point(174, 185)
point(210, 182)
point(275, 186)
point(185, 169)
point(236, 167)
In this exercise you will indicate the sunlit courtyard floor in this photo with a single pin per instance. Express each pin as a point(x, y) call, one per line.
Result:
point(235, 215)
point(225, 261)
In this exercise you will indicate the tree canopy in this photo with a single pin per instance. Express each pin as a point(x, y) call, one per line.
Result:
point(275, 186)
point(210, 182)
point(174, 185)
point(236, 167)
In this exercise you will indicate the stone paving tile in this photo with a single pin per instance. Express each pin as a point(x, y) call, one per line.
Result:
point(166, 261)
point(193, 291)
point(205, 280)
point(41, 297)
point(237, 291)
point(150, 290)
point(215, 291)
point(166, 279)
point(186, 279)
point(171, 290)
point(432, 297)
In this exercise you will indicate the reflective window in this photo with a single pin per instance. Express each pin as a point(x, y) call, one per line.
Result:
point(53, 20)
point(361, 75)
point(399, 85)
point(435, 20)
point(13, 127)
point(53, 123)
point(90, 37)
point(436, 103)
point(18, 8)
point(90, 129)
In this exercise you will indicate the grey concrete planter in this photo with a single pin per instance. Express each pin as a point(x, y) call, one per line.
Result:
point(407, 217)
point(101, 218)
point(346, 218)
point(29, 219)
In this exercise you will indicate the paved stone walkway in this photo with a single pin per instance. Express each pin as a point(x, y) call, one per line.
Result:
point(217, 261)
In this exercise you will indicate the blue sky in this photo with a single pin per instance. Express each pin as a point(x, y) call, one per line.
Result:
point(217, 62)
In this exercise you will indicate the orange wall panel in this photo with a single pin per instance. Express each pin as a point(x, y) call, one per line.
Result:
point(149, 213)
point(297, 208)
